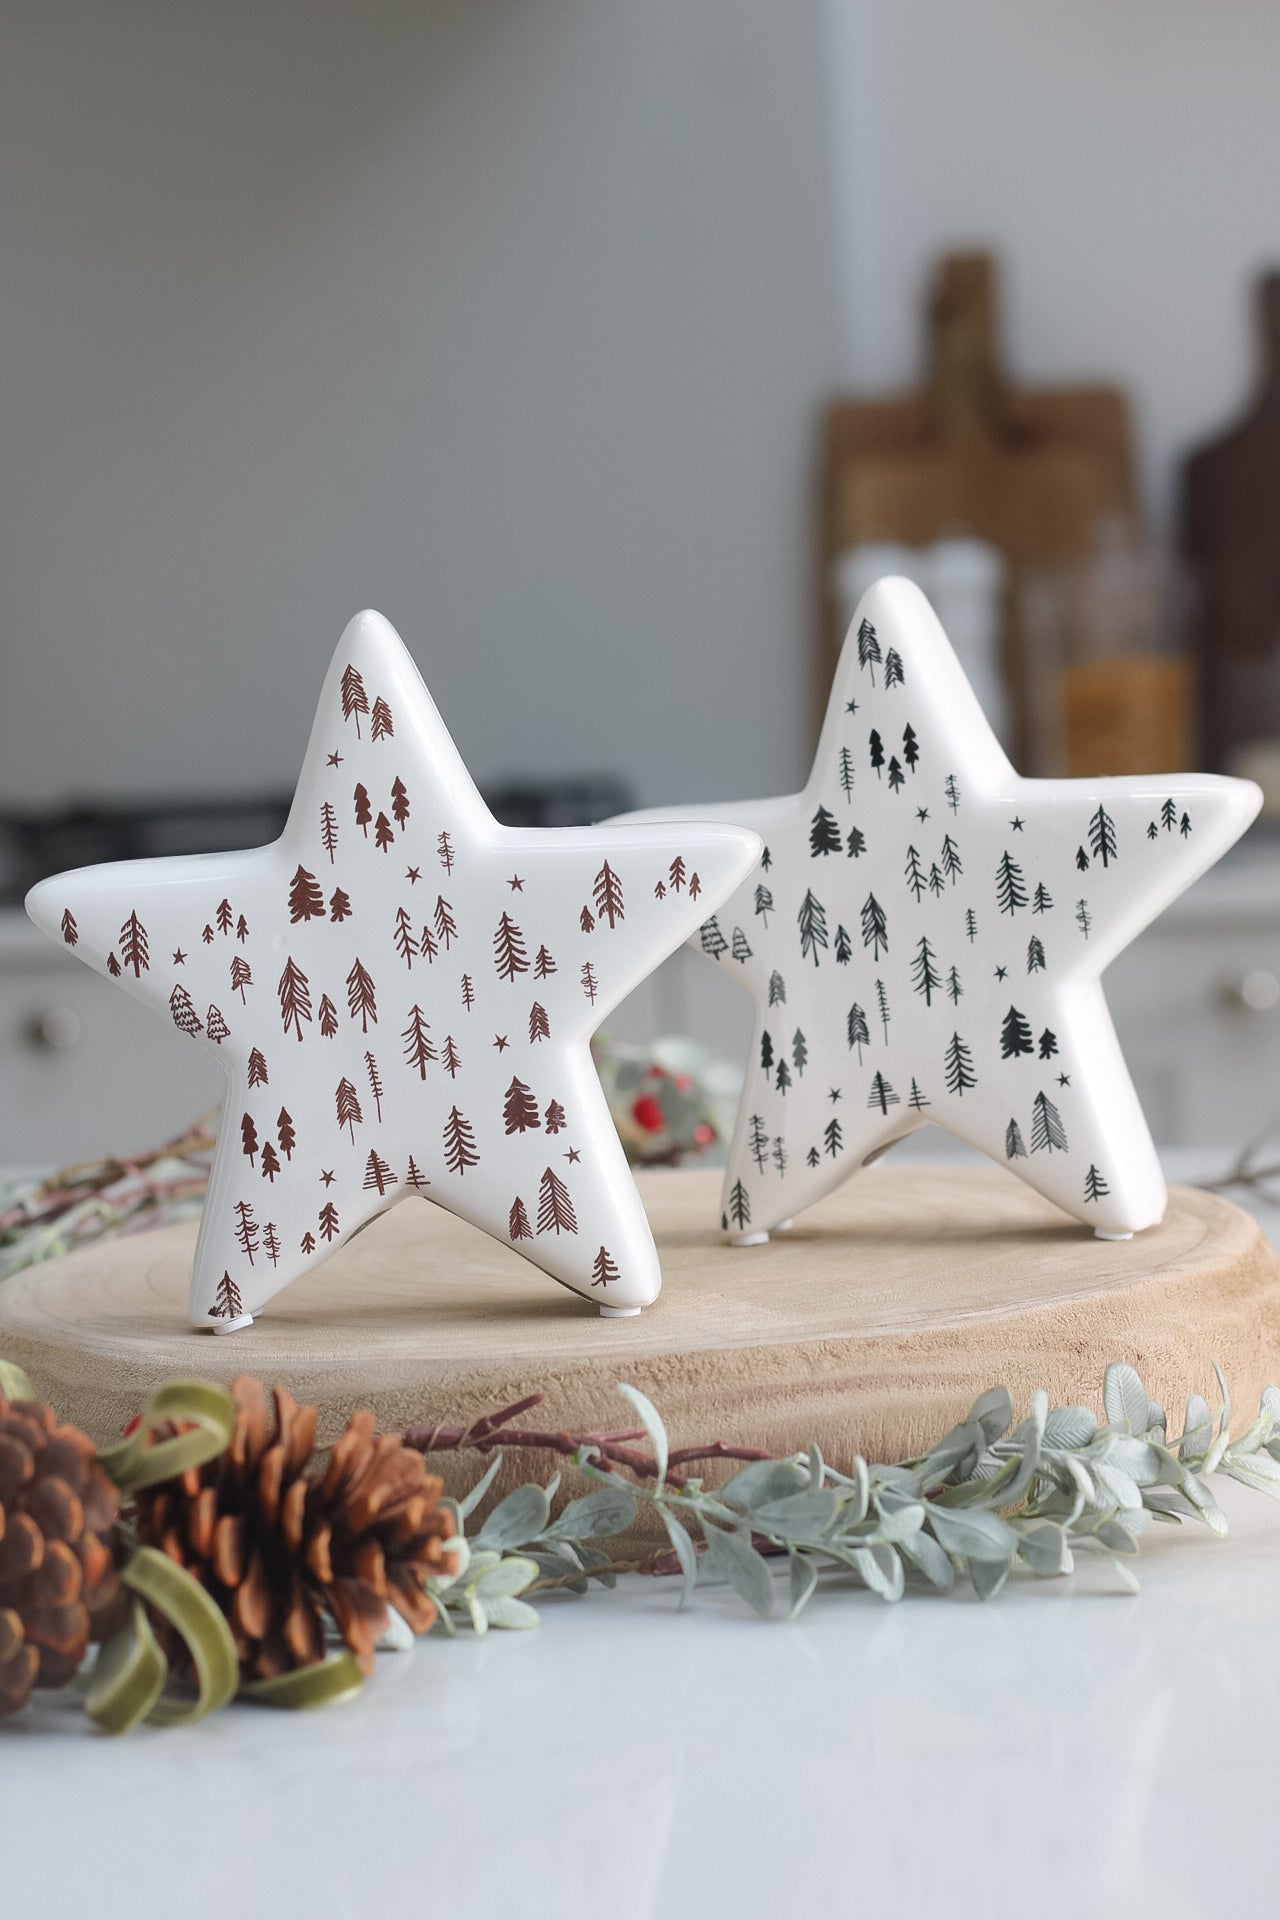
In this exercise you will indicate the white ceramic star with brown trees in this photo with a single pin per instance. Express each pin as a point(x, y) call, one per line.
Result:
point(402, 993)
point(925, 937)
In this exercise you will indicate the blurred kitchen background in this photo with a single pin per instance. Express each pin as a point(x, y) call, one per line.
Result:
point(609, 347)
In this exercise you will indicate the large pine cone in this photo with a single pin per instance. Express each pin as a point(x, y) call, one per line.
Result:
point(281, 1541)
point(57, 1575)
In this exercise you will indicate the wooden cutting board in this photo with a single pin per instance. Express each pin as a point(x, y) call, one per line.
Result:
point(1029, 469)
point(870, 1328)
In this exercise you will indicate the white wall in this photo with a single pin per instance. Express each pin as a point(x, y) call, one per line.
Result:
point(509, 317)
point(1123, 156)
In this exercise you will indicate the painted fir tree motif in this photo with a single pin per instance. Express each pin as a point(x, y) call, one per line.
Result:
point(965, 938)
point(337, 984)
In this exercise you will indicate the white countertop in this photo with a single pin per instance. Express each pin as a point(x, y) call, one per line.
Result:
point(1064, 1750)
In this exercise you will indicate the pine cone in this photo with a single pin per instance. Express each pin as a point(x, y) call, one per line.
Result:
point(281, 1542)
point(57, 1576)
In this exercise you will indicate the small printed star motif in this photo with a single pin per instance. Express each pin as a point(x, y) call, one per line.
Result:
point(573, 1156)
point(349, 1011)
point(922, 813)
point(946, 969)
point(516, 884)
point(413, 875)
point(179, 957)
point(834, 1095)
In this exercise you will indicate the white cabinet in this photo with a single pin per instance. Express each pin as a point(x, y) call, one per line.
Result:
point(85, 1070)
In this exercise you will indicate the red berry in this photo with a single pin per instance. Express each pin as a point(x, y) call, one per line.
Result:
point(648, 1114)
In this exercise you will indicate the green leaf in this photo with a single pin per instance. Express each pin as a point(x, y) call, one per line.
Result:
point(1124, 1397)
point(596, 1516)
point(471, 1501)
point(517, 1519)
point(988, 1576)
point(901, 1523)
point(1118, 1487)
point(1044, 1549)
point(511, 1613)
point(510, 1576)
point(972, 1535)
point(800, 1516)
point(881, 1570)
point(651, 1421)
point(1069, 1428)
point(1256, 1470)
point(762, 1481)
point(1197, 1435)
point(804, 1579)
point(1136, 1458)
point(685, 1551)
point(14, 1383)
point(924, 1553)
point(992, 1411)
point(731, 1556)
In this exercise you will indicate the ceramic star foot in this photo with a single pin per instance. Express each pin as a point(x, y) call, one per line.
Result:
point(402, 994)
point(925, 937)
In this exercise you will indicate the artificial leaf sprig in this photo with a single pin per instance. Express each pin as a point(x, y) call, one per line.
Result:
point(988, 1500)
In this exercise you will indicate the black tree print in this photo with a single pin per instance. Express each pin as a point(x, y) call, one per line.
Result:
point(893, 674)
point(843, 947)
point(1013, 1147)
point(875, 748)
point(1102, 837)
point(758, 1140)
point(952, 791)
point(766, 1051)
point(1095, 1187)
point(882, 1007)
point(1011, 888)
point(1168, 816)
point(739, 946)
point(1047, 1131)
point(846, 773)
point(875, 932)
point(1084, 919)
point(711, 939)
point(925, 977)
point(832, 1138)
point(799, 1052)
point(856, 843)
point(857, 1031)
point(915, 873)
point(897, 778)
point(1035, 955)
point(917, 1099)
point(970, 923)
point(459, 1143)
point(1082, 859)
point(555, 1208)
point(812, 921)
point(868, 649)
point(882, 1094)
point(782, 1078)
point(910, 747)
point(764, 903)
point(954, 989)
point(777, 989)
point(739, 1206)
point(1048, 1044)
point(1015, 1035)
point(1042, 899)
point(824, 834)
point(951, 859)
point(958, 1063)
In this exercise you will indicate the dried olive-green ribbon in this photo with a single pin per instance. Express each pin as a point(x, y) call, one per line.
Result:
point(205, 1409)
point(129, 1680)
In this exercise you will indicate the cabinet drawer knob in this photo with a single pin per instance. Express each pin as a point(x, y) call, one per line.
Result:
point(1258, 990)
point(54, 1030)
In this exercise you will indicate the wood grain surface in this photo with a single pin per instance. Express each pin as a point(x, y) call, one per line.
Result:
point(870, 1327)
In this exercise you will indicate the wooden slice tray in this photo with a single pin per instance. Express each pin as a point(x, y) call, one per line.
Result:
point(869, 1328)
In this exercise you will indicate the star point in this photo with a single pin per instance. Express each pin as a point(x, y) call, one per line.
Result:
point(870, 947)
point(340, 1016)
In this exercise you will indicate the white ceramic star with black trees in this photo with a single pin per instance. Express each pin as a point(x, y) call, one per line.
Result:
point(925, 937)
point(402, 993)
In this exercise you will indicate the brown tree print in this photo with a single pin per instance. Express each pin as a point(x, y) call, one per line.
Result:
point(459, 1143)
point(185, 1017)
point(355, 700)
point(134, 946)
point(294, 992)
point(360, 996)
point(606, 891)
point(555, 1208)
point(381, 725)
point(418, 1050)
point(347, 1102)
point(70, 931)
